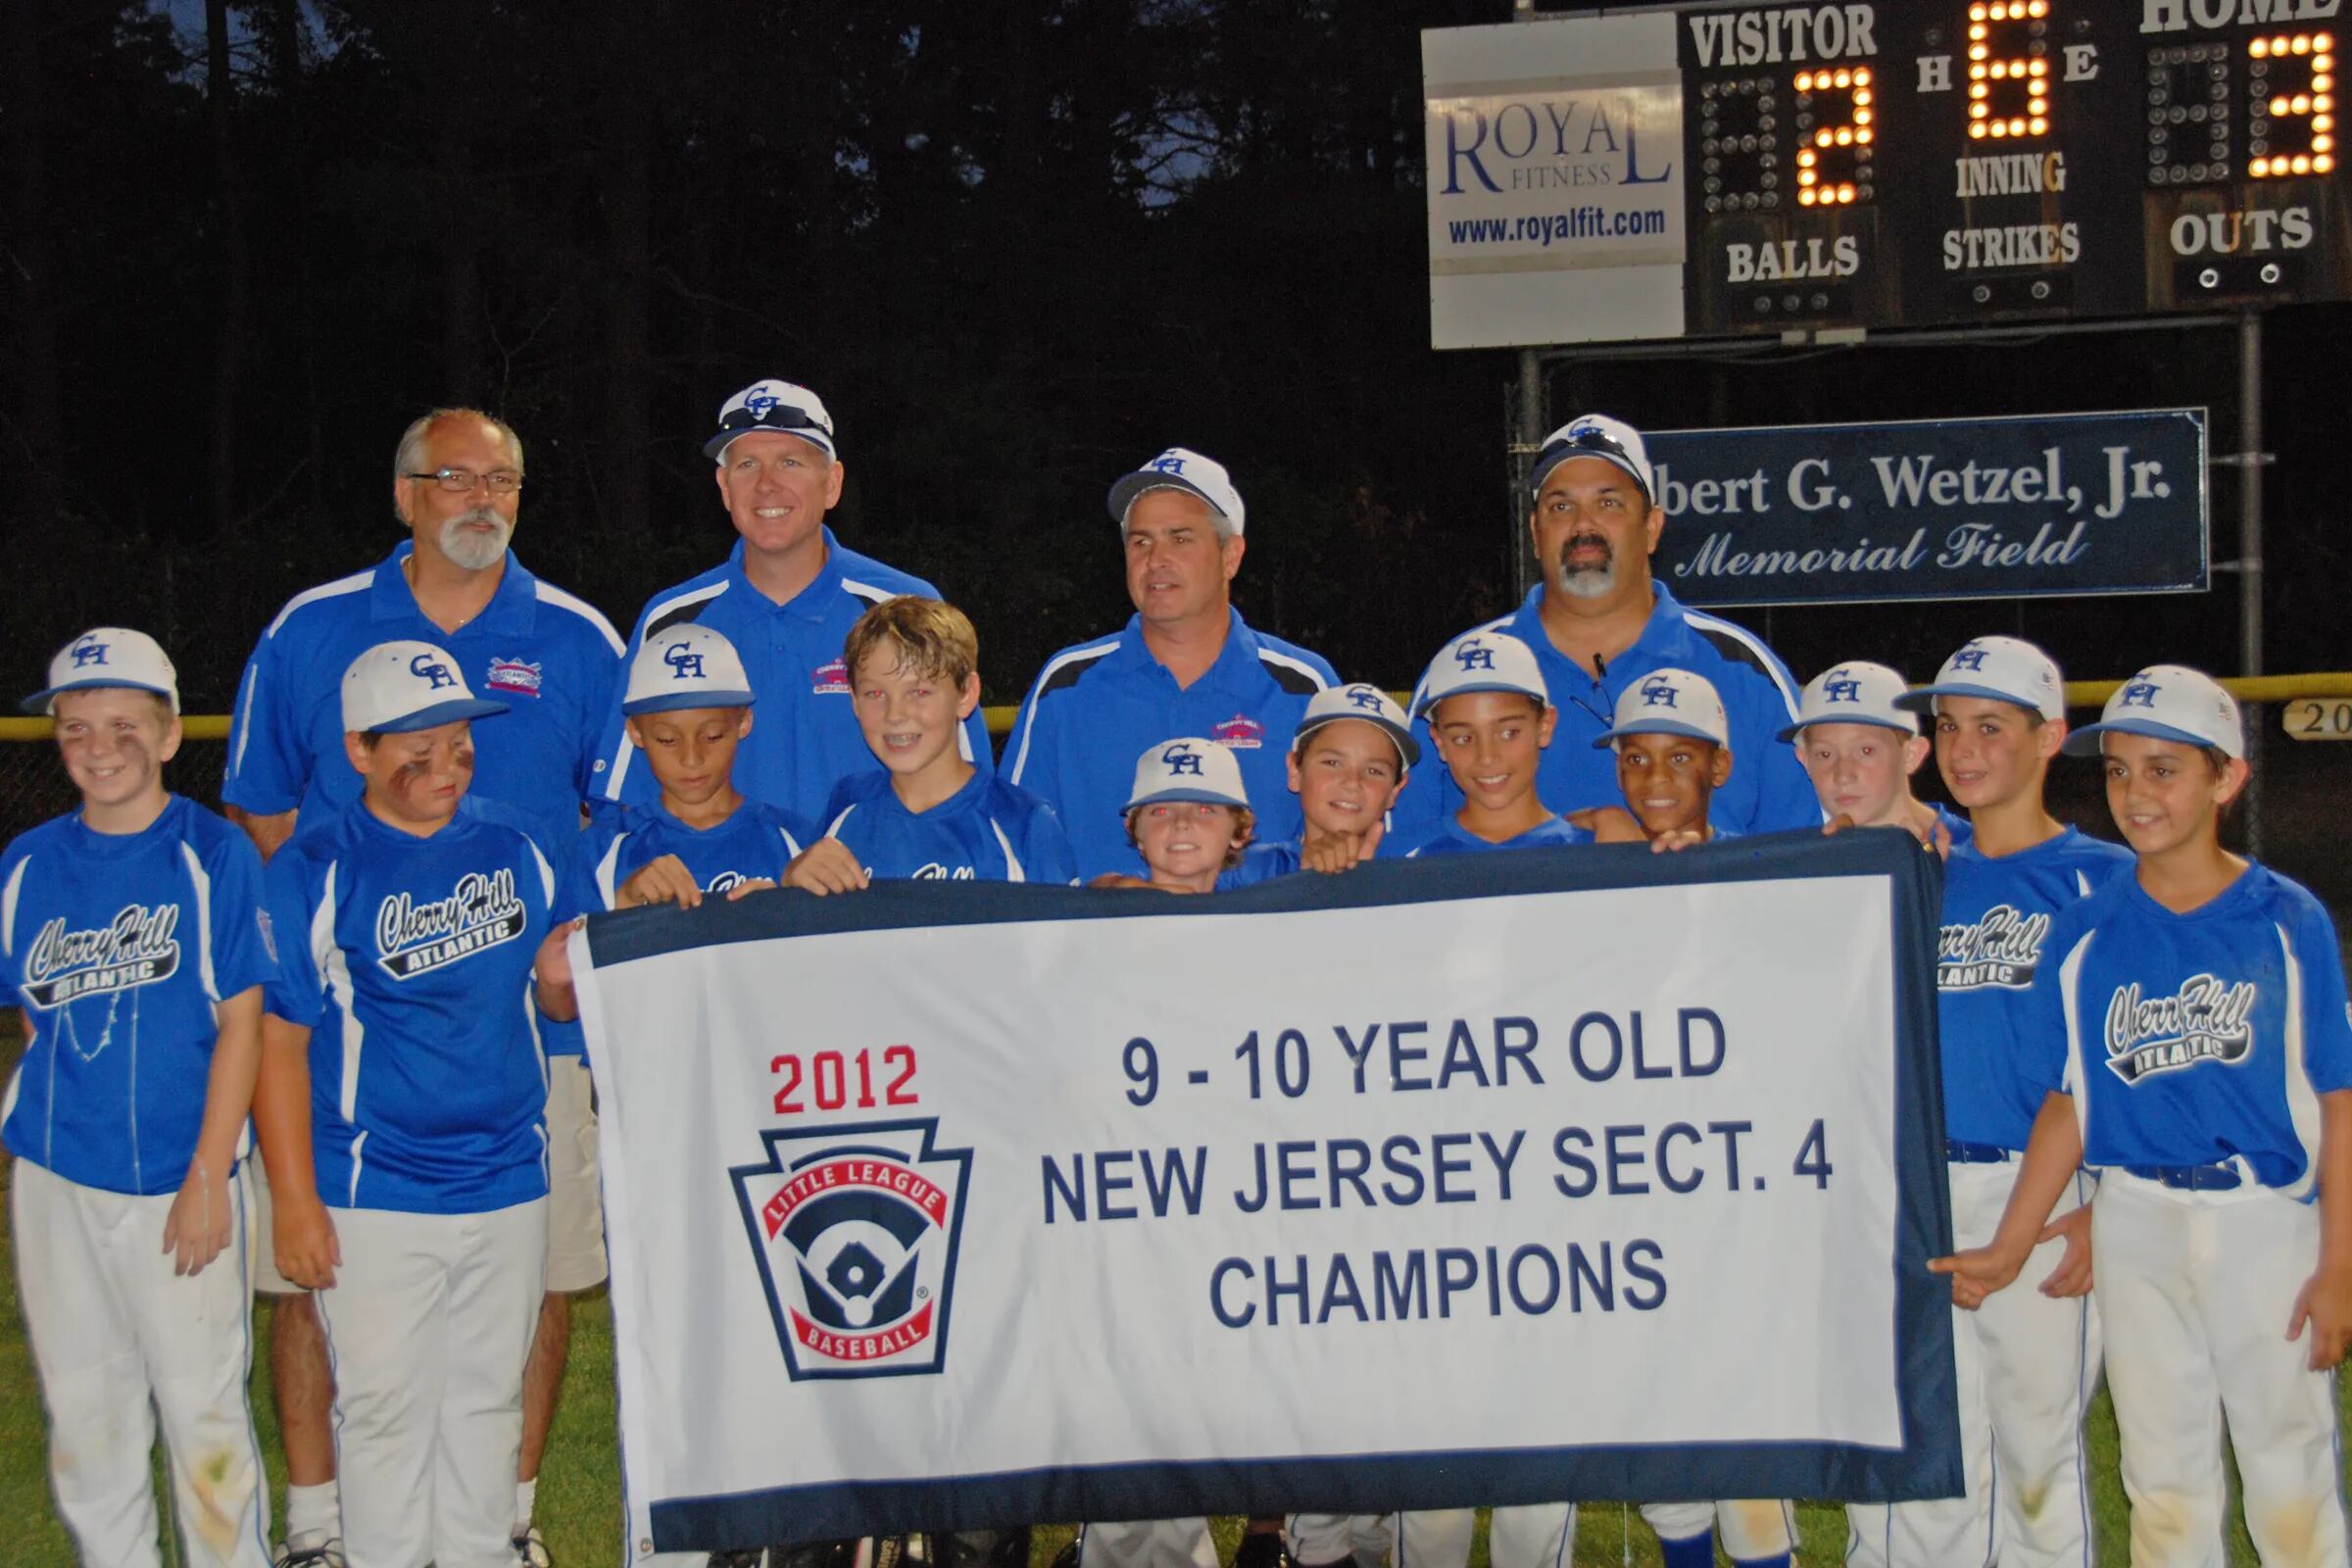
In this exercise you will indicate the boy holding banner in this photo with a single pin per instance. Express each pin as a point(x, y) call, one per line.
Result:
point(688, 706)
point(2027, 1362)
point(1351, 758)
point(1860, 750)
point(1491, 717)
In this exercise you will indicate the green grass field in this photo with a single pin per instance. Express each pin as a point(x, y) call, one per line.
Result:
point(580, 1487)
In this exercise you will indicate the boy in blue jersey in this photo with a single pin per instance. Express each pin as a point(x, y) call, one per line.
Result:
point(929, 815)
point(404, 1088)
point(1491, 719)
point(689, 705)
point(1352, 756)
point(2187, 1026)
point(2027, 1362)
point(131, 938)
point(1673, 750)
point(1860, 751)
point(786, 598)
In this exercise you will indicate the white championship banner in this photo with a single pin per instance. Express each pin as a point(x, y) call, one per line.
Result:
point(1502, 1179)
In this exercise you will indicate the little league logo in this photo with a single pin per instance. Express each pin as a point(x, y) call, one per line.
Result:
point(1240, 732)
point(855, 1230)
point(516, 675)
point(830, 680)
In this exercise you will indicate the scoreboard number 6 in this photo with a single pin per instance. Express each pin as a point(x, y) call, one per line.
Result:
point(2008, 93)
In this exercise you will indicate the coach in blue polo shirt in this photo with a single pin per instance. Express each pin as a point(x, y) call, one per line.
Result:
point(786, 598)
point(554, 662)
point(1186, 664)
point(1598, 622)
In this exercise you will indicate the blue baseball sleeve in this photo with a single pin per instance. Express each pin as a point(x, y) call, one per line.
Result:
point(241, 958)
point(2326, 1014)
point(291, 890)
point(269, 765)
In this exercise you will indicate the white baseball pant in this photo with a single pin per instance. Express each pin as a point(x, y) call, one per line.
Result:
point(429, 1326)
point(2196, 1289)
point(2027, 1365)
point(1536, 1535)
point(110, 1326)
point(1148, 1544)
point(1319, 1539)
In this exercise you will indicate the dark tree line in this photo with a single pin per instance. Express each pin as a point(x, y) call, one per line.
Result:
point(1018, 248)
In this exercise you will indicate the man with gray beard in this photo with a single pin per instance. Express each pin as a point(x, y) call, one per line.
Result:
point(553, 661)
point(1599, 623)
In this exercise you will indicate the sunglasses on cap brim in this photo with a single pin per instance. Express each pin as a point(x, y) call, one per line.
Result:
point(1592, 444)
point(780, 417)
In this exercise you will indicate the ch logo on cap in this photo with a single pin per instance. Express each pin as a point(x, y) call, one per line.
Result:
point(1657, 692)
point(435, 673)
point(1840, 688)
point(1474, 655)
point(760, 401)
point(1181, 760)
point(2141, 693)
point(1167, 462)
point(1970, 657)
point(89, 650)
point(684, 660)
point(1365, 696)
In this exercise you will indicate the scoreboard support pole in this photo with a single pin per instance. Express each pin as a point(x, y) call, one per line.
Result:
point(2250, 460)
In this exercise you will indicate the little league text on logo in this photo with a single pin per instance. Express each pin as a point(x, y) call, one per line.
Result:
point(516, 675)
point(1240, 732)
point(480, 914)
point(1999, 950)
point(2208, 1020)
point(855, 1231)
point(135, 948)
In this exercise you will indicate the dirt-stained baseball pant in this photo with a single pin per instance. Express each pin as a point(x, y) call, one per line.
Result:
point(1750, 1531)
point(2027, 1364)
point(111, 1324)
point(2196, 1290)
point(1148, 1544)
point(429, 1326)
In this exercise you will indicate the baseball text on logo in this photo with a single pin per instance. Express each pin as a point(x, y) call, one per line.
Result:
point(1999, 948)
point(480, 914)
point(2209, 1019)
point(136, 948)
point(522, 676)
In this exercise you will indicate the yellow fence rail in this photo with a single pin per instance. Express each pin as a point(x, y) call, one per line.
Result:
point(2079, 694)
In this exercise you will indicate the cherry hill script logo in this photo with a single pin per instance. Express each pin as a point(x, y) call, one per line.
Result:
point(855, 1231)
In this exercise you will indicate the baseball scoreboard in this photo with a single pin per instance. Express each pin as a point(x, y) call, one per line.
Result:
point(1706, 169)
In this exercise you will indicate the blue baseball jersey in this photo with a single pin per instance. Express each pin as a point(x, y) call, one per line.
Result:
point(1450, 838)
point(2198, 1038)
point(1096, 706)
point(1959, 827)
point(1768, 788)
point(409, 959)
point(805, 737)
point(550, 657)
point(118, 947)
point(758, 841)
point(1997, 913)
point(988, 831)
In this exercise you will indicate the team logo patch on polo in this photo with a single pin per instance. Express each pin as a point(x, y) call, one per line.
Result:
point(481, 913)
point(855, 1230)
point(136, 948)
point(1240, 733)
point(2209, 1019)
point(830, 680)
point(516, 675)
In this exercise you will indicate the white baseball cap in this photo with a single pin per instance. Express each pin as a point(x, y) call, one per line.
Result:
point(1671, 701)
point(1859, 693)
point(108, 656)
point(2000, 669)
point(1483, 662)
point(1361, 701)
point(1186, 770)
point(686, 665)
point(397, 687)
point(784, 407)
point(2172, 703)
point(1180, 468)
point(1595, 435)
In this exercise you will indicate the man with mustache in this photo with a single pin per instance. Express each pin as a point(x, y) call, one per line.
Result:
point(554, 662)
point(1599, 622)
